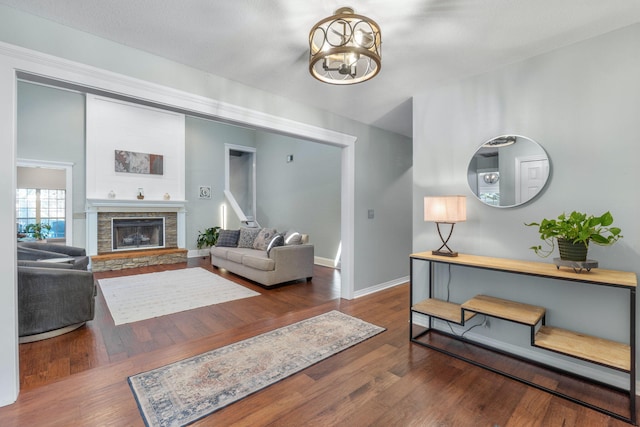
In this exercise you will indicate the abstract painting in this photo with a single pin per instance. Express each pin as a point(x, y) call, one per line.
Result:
point(143, 163)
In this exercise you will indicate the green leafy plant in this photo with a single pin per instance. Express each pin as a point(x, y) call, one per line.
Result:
point(208, 237)
point(39, 230)
point(576, 228)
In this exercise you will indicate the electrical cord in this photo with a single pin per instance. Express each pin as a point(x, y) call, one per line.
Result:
point(448, 297)
point(474, 326)
point(462, 334)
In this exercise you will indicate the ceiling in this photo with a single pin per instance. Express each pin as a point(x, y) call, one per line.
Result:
point(264, 44)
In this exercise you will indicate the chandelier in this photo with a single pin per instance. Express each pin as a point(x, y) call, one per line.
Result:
point(344, 48)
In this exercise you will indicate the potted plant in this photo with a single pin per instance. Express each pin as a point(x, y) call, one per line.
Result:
point(39, 230)
point(208, 238)
point(574, 232)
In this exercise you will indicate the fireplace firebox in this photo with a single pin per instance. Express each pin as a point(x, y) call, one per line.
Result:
point(137, 233)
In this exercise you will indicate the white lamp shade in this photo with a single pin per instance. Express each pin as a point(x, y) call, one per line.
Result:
point(448, 209)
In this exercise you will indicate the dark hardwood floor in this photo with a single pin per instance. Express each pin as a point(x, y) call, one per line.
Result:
point(80, 379)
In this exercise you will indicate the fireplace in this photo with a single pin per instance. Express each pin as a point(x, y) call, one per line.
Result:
point(101, 212)
point(137, 233)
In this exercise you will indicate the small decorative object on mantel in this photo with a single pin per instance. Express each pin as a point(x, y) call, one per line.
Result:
point(140, 194)
point(574, 232)
point(166, 196)
point(112, 194)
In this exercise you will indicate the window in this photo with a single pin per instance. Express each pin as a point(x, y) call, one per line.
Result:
point(41, 205)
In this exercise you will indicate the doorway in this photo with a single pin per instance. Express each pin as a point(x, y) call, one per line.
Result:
point(240, 182)
point(531, 176)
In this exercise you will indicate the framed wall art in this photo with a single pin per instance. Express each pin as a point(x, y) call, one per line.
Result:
point(142, 163)
point(204, 192)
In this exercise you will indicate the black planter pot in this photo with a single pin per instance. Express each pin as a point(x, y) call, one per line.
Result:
point(570, 251)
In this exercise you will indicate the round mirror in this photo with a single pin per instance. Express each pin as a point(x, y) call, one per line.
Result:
point(508, 171)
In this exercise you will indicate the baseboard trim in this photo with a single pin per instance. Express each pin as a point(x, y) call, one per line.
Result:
point(382, 286)
point(325, 262)
point(196, 253)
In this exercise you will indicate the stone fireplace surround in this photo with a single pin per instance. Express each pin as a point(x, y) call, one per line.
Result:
point(100, 212)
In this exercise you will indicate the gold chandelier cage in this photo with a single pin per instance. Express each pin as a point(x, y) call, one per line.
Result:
point(345, 48)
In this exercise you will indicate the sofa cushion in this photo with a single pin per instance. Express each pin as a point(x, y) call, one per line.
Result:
point(259, 261)
point(263, 238)
point(292, 238)
point(277, 240)
point(228, 238)
point(235, 256)
point(247, 236)
point(220, 252)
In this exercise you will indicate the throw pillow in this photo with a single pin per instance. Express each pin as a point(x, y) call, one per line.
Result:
point(263, 238)
point(247, 236)
point(228, 238)
point(277, 240)
point(292, 238)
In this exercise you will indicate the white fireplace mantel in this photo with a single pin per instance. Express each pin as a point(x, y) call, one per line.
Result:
point(134, 205)
point(94, 206)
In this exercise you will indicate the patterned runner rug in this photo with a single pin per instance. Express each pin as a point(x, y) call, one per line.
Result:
point(143, 296)
point(183, 392)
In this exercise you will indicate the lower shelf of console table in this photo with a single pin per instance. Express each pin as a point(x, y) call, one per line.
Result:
point(600, 351)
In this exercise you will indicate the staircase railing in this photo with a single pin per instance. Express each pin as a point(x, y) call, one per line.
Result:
point(247, 220)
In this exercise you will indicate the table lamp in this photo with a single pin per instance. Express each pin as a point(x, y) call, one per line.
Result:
point(445, 210)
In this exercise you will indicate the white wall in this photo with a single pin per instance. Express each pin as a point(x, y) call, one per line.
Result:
point(582, 104)
point(117, 125)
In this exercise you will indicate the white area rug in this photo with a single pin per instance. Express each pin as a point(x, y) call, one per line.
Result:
point(143, 296)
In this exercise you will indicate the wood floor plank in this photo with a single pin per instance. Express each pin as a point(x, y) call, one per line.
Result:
point(80, 378)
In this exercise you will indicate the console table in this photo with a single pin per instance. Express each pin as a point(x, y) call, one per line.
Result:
point(597, 350)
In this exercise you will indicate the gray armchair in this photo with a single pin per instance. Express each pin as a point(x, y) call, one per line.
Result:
point(35, 251)
point(52, 300)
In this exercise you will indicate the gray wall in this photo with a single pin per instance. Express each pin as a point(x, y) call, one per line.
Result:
point(303, 195)
point(581, 104)
point(383, 175)
point(204, 141)
point(51, 127)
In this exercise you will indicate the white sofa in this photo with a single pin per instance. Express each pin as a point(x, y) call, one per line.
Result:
point(281, 264)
